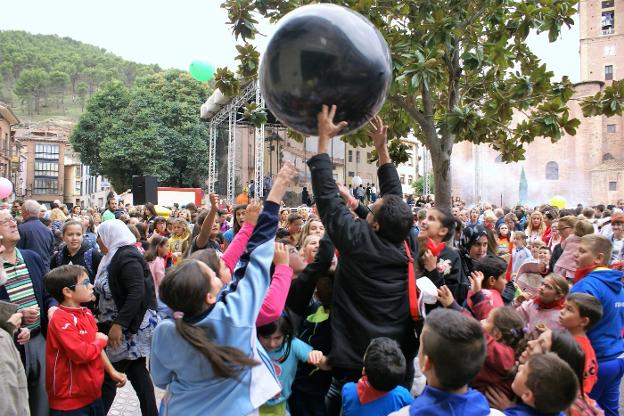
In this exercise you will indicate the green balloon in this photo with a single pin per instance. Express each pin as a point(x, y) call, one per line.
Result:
point(201, 71)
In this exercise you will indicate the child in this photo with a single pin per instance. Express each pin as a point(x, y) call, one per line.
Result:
point(208, 357)
point(581, 312)
point(617, 237)
point(593, 277)
point(180, 238)
point(543, 257)
point(543, 311)
point(377, 392)
point(492, 286)
point(503, 239)
point(309, 248)
point(160, 227)
point(452, 352)
point(75, 360)
point(546, 385)
point(286, 351)
point(520, 253)
point(535, 246)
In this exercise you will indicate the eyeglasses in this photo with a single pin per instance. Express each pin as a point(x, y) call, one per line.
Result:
point(85, 283)
point(8, 221)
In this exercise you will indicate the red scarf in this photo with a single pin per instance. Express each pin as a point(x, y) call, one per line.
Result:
point(435, 249)
point(367, 393)
point(558, 304)
point(582, 272)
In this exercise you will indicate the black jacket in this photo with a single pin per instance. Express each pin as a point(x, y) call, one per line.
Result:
point(78, 258)
point(132, 287)
point(35, 236)
point(370, 296)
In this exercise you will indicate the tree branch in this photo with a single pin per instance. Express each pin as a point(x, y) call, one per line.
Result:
point(410, 108)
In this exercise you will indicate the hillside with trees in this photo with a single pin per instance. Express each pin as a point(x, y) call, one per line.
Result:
point(47, 75)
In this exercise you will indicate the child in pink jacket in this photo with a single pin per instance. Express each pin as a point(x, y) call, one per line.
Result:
point(543, 311)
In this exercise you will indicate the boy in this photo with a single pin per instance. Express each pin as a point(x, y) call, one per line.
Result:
point(452, 352)
point(75, 360)
point(546, 385)
point(491, 270)
point(520, 253)
point(581, 312)
point(593, 277)
point(378, 392)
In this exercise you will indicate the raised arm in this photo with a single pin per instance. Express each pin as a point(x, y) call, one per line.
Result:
point(274, 301)
point(237, 247)
point(204, 232)
point(389, 183)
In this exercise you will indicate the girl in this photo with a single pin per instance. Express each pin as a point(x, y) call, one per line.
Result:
point(237, 223)
point(310, 247)
point(503, 239)
point(543, 311)
point(566, 263)
point(473, 246)
point(180, 239)
point(283, 221)
point(90, 235)
point(314, 226)
point(160, 227)
point(439, 261)
point(286, 352)
point(535, 229)
point(473, 217)
point(555, 238)
point(208, 357)
point(154, 260)
point(503, 328)
point(136, 235)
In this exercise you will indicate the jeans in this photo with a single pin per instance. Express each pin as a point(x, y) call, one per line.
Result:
point(606, 391)
point(137, 373)
point(94, 409)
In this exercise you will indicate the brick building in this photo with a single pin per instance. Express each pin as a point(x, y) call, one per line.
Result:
point(11, 161)
point(586, 168)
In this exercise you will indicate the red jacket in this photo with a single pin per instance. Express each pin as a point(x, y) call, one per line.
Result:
point(74, 369)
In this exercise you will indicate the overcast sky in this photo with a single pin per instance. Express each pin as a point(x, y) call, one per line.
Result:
point(173, 34)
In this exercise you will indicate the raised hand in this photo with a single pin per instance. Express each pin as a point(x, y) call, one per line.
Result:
point(286, 177)
point(326, 126)
point(281, 255)
point(476, 281)
point(214, 201)
point(379, 134)
point(445, 296)
point(253, 212)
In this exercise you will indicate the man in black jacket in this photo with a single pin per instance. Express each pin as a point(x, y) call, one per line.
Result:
point(370, 296)
point(34, 235)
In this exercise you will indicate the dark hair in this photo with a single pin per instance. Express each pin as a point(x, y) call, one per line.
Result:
point(152, 251)
point(569, 350)
point(588, 306)
point(69, 223)
point(552, 382)
point(490, 266)
point(184, 289)
point(235, 224)
point(209, 257)
point(455, 344)
point(61, 277)
point(511, 326)
point(285, 327)
point(150, 209)
point(134, 231)
point(294, 217)
point(384, 363)
point(395, 219)
point(142, 231)
point(448, 221)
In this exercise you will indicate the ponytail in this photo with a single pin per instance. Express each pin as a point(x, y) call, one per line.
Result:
point(511, 326)
point(226, 362)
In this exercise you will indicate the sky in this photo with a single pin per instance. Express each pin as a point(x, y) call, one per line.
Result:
point(173, 34)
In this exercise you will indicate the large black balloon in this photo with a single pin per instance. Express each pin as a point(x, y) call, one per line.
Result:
point(325, 54)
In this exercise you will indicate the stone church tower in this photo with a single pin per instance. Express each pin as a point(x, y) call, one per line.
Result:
point(586, 168)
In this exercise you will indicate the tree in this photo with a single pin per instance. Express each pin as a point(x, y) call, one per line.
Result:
point(462, 69)
point(81, 91)
point(151, 128)
point(31, 86)
point(58, 84)
point(419, 184)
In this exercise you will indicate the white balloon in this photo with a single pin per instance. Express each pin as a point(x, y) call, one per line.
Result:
point(356, 181)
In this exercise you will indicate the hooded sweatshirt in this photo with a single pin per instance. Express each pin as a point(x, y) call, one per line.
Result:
point(606, 336)
point(433, 402)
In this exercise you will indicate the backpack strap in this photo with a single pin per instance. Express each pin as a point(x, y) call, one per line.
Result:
point(412, 288)
point(88, 258)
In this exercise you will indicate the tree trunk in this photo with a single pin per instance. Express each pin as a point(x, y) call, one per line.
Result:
point(441, 164)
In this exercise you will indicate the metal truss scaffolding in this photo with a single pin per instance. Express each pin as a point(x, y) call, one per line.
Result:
point(259, 153)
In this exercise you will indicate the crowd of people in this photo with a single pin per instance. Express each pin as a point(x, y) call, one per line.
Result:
point(361, 304)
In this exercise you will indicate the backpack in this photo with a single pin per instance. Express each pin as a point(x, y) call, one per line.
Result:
point(88, 258)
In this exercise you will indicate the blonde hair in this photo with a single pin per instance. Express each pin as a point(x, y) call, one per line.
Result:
point(542, 227)
point(568, 221)
point(561, 284)
point(305, 232)
point(583, 227)
point(57, 215)
point(183, 224)
point(598, 244)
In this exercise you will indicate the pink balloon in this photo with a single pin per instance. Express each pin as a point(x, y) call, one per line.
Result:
point(6, 188)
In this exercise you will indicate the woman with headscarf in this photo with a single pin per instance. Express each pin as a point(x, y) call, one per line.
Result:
point(473, 246)
point(127, 305)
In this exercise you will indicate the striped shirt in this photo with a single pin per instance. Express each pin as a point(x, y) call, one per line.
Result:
point(20, 287)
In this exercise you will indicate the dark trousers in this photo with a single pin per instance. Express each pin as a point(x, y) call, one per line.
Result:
point(342, 376)
point(138, 375)
point(94, 409)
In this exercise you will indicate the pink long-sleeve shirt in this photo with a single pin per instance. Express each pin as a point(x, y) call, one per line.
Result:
point(275, 298)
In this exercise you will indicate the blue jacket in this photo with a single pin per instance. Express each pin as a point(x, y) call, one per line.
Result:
point(193, 388)
point(395, 400)
point(606, 335)
point(434, 402)
point(524, 410)
point(36, 270)
point(36, 237)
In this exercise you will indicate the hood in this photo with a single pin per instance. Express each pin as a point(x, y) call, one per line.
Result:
point(611, 278)
point(433, 401)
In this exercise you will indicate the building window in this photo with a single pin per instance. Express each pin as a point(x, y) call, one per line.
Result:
point(552, 171)
point(607, 156)
point(403, 179)
point(350, 155)
point(357, 157)
point(612, 186)
point(410, 179)
point(608, 72)
point(607, 4)
point(351, 174)
point(46, 169)
point(609, 50)
point(608, 22)
point(611, 128)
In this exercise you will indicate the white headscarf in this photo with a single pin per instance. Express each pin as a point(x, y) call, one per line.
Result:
point(114, 234)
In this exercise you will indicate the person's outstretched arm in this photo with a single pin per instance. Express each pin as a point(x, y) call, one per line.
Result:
point(204, 233)
point(237, 247)
point(389, 183)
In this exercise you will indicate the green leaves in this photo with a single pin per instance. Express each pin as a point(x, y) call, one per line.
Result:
point(608, 102)
point(256, 116)
point(249, 59)
point(226, 82)
point(241, 19)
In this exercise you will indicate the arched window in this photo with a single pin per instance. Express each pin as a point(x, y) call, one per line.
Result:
point(552, 171)
point(499, 159)
point(607, 156)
